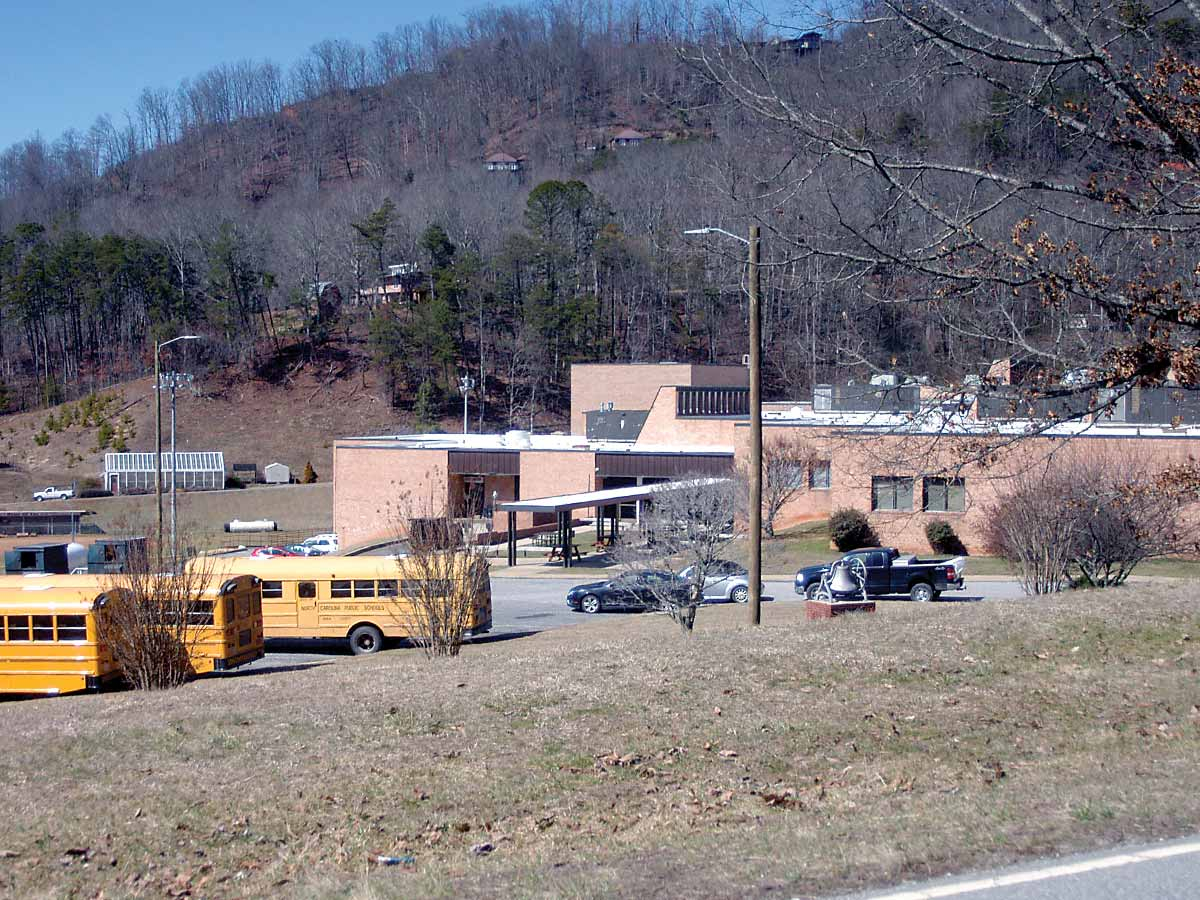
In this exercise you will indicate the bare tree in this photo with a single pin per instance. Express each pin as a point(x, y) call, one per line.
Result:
point(444, 579)
point(789, 465)
point(152, 620)
point(1027, 174)
point(1091, 519)
point(685, 528)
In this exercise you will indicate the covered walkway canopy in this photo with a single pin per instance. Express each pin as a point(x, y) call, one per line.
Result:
point(563, 504)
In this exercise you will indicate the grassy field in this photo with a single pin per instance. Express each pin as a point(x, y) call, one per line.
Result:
point(622, 759)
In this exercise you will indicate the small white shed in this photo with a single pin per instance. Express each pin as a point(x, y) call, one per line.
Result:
point(277, 473)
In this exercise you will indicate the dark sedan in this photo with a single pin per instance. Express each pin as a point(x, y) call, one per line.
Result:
point(631, 591)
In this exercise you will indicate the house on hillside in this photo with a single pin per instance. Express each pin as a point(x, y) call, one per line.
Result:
point(403, 282)
point(627, 137)
point(502, 162)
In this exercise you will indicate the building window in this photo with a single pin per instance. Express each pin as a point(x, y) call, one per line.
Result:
point(818, 475)
point(945, 495)
point(891, 493)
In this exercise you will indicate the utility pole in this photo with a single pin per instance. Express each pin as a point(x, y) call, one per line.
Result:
point(158, 438)
point(158, 451)
point(756, 463)
point(756, 459)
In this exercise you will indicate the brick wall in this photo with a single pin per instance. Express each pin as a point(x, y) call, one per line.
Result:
point(634, 385)
point(855, 459)
point(374, 485)
point(664, 427)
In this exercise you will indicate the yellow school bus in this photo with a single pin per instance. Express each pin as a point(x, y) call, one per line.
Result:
point(50, 641)
point(361, 598)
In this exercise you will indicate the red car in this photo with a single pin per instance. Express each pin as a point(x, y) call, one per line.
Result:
point(271, 551)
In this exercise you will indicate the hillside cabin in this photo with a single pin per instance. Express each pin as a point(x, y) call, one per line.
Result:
point(502, 162)
point(628, 137)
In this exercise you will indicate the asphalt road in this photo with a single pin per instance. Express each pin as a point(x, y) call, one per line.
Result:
point(527, 605)
point(1169, 870)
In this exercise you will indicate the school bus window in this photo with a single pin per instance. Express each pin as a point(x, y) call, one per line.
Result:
point(387, 588)
point(364, 589)
point(43, 628)
point(339, 589)
point(256, 605)
point(243, 606)
point(307, 590)
point(72, 628)
point(201, 613)
point(18, 628)
point(272, 590)
point(415, 588)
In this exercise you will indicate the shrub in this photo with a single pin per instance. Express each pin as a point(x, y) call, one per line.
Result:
point(310, 474)
point(88, 493)
point(41, 439)
point(233, 483)
point(943, 538)
point(849, 529)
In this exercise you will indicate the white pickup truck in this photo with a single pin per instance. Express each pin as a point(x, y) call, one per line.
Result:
point(53, 493)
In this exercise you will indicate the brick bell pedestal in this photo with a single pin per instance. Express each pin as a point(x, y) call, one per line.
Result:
point(827, 609)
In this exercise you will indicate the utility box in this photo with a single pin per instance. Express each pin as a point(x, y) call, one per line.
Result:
point(112, 555)
point(277, 473)
point(37, 558)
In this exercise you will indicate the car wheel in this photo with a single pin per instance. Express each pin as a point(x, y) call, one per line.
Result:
point(740, 594)
point(921, 592)
point(810, 592)
point(590, 604)
point(366, 639)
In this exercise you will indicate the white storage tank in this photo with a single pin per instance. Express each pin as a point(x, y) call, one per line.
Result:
point(238, 525)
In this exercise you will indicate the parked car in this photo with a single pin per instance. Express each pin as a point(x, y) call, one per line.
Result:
point(725, 581)
point(53, 493)
point(631, 591)
point(320, 544)
point(890, 572)
point(301, 550)
point(269, 552)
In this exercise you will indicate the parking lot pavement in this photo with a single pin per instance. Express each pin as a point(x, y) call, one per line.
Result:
point(523, 606)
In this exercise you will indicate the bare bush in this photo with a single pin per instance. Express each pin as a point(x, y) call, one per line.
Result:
point(443, 579)
point(685, 529)
point(151, 620)
point(1091, 520)
point(787, 469)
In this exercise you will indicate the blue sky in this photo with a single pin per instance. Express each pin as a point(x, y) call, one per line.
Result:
point(64, 62)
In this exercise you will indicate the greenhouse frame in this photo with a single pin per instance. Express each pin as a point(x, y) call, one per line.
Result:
point(134, 473)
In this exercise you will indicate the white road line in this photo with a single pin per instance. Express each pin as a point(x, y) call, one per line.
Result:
point(1091, 865)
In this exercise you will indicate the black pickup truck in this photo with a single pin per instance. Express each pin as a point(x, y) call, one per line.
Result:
point(890, 572)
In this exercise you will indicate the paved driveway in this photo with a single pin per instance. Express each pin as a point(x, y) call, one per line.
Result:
point(526, 605)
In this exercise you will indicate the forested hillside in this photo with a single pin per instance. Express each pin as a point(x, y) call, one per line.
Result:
point(346, 197)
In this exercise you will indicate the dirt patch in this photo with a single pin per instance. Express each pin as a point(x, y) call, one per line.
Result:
point(620, 759)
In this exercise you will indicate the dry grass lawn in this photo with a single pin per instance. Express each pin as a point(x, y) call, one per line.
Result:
point(621, 759)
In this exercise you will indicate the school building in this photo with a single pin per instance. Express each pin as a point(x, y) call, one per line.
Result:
point(903, 453)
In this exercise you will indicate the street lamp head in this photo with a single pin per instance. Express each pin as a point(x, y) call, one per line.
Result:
point(698, 231)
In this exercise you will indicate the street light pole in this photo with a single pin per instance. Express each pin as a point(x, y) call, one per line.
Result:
point(756, 465)
point(465, 384)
